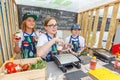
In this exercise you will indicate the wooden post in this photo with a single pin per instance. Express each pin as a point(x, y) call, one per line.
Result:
point(89, 28)
point(86, 25)
point(5, 30)
point(102, 28)
point(1, 41)
point(95, 28)
point(78, 18)
point(83, 23)
point(112, 27)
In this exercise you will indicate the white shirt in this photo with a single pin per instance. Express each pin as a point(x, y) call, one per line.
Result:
point(41, 41)
point(81, 41)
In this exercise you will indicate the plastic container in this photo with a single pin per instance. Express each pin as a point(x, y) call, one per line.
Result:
point(59, 47)
point(117, 63)
point(18, 36)
point(93, 63)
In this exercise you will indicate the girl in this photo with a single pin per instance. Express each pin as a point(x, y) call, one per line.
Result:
point(46, 45)
point(27, 44)
point(76, 41)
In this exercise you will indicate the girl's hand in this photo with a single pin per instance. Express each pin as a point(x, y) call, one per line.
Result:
point(15, 39)
point(59, 41)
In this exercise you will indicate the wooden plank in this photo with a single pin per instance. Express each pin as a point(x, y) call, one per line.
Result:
point(83, 23)
point(1, 60)
point(1, 53)
point(112, 27)
point(86, 25)
point(11, 21)
point(3, 38)
point(5, 29)
point(13, 16)
point(13, 24)
point(10, 30)
point(78, 18)
point(16, 17)
point(81, 18)
point(89, 28)
point(102, 29)
point(103, 5)
point(95, 28)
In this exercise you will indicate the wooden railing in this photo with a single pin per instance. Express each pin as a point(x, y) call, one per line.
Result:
point(88, 25)
point(8, 26)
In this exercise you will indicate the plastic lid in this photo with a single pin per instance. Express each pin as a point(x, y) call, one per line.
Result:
point(18, 32)
point(94, 57)
point(118, 56)
point(11, 59)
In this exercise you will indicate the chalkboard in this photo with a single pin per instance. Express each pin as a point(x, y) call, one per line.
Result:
point(64, 18)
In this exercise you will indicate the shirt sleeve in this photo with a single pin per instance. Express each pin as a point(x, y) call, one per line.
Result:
point(82, 42)
point(42, 40)
point(67, 39)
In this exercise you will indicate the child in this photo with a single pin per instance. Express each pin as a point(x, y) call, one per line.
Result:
point(47, 42)
point(76, 41)
point(27, 44)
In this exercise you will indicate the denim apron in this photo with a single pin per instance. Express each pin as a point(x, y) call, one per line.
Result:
point(75, 43)
point(28, 48)
point(53, 50)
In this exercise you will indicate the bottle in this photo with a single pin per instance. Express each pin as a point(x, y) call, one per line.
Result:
point(117, 62)
point(93, 63)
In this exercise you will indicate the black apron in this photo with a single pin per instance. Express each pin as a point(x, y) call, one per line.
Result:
point(53, 51)
point(28, 48)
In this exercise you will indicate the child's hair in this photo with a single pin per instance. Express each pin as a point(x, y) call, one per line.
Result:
point(47, 19)
point(23, 27)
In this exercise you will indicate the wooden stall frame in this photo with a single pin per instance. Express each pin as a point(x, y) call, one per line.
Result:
point(8, 22)
point(112, 27)
point(5, 32)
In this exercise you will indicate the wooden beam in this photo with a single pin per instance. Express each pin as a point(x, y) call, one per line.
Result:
point(89, 28)
point(95, 28)
point(103, 5)
point(81, 19)
point(10, 29)
point(102, 28)
point(11, 22)
point(12, 17)
point(78, 18)
point(1, 59)
point(83, 23)
point(5, 29)
point(112, 26)
point(1, 42)
point(86, 25)
point(16, 17)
